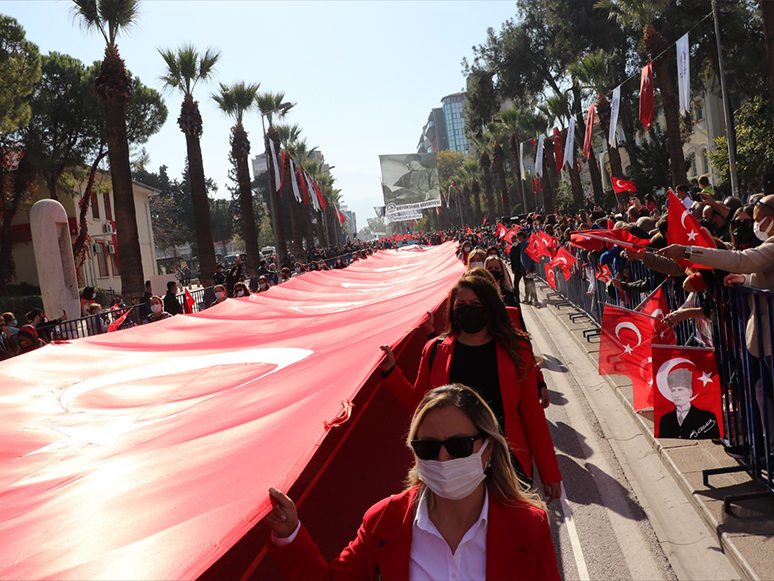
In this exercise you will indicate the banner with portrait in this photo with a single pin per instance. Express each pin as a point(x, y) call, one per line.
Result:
point(410, 181)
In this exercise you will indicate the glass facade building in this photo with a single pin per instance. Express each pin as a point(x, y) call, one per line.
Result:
point(455, 122)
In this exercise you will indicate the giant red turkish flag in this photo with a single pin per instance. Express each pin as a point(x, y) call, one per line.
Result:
point(148, 453)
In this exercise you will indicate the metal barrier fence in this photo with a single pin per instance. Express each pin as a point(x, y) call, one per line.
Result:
point(746, 381)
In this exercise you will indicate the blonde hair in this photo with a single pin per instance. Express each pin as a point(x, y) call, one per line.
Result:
point(476, 254)
point(501, 478)
point(505, 281)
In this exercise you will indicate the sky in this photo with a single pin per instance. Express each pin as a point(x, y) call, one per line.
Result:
point(364, 75)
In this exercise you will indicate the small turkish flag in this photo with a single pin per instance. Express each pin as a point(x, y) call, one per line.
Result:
point(655, 304)
point(564, 260)
point(118, 322)
point(687, 399)
point(189, 303)
point(646, 95)
point(550, 277)
point(684, 229)
point(583, 240)
point(624, 349)
point(603, 273)
point(501, 230)
point(620, 185)
point(534, 248)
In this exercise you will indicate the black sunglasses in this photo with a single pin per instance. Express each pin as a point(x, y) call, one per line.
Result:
point(458, 446)
point(762, 203)
point(743, 222)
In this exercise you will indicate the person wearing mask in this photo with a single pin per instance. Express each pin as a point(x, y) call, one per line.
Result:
point(8, 347)
point(476, 259)
point(496, 267)
point(742, 233)
point(716, 223)
point(482, 349)
point(157, 310)
point(272, 277)
point(171, 304)
point(146, 296)
point(234, 275)
point(299, 269)
point(11, 324)
point(463, 515)
point(339, 264)
point(263, 284)
point(220, 294)
point(464, 251)
point(241, 290)
point(284, 275)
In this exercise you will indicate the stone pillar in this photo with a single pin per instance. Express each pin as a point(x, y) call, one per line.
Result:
point(54, 259)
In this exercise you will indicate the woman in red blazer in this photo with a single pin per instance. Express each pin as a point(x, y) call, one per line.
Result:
point(482, 350)
point(465, 515)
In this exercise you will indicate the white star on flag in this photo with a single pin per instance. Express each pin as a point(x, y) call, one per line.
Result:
point(705, 378)
point(628, 349)
point(692, 235)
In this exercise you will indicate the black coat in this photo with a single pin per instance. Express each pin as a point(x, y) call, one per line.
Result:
point(698, 424)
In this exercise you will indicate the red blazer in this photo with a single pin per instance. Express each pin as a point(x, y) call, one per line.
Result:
point(518, 545)
point(526, 428)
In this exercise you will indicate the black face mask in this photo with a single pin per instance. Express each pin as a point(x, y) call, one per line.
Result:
point(497, 274)
point(470, 318)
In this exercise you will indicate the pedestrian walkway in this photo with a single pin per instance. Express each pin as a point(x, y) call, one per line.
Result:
point(744, 534)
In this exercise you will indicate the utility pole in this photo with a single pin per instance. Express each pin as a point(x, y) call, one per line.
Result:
point(730, 138)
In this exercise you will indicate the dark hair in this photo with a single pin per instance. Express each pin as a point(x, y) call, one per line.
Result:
point(171, 284)
point(498, 320)
point(33, 313)
point(88, 293)
point(147, 284)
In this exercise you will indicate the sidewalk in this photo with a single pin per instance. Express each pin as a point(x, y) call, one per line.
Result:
point(746, 532)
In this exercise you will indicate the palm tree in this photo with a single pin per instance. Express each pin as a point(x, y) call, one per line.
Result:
point(289, 139)
point(595, 70)
point(184, 69)
point(301, 152)
point(486, 165)
point(315, 170)
point(467, 175)
point(113, 87)
point(642, 14)
point(273, 105)
point(236, 100)
point(514, 118)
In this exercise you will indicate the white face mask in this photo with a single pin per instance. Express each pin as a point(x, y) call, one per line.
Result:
point(762, 234)
point(454, 479)
point(298, 269)
point(219, 295)
point(14, 323)
point(156, 309)
point(240, 293)
point(262, 285)
point(476, 264)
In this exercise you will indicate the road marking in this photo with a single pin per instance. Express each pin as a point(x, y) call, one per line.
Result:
point(577, 551)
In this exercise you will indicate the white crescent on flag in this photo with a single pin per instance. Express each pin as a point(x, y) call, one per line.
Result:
point(633, 327)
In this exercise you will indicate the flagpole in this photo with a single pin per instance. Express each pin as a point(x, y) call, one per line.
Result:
point(730, 140)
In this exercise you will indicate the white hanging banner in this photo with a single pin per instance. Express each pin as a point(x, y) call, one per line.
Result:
point(569, 145)
point(312, 194)
point(539, 157)
point(615, 107)
point(521, 161)
point(684, 73)
point(294, 182)
point(277, 178)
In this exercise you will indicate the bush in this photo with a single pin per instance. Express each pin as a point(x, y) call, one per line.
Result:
point(19, 306)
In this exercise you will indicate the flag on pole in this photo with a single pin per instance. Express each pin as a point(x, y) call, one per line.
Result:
point(646, 95)
point(589, 131)
point(683, 228)
point(569, 144)
point(118, 322)
point(558, 150)
point(277, 178)
point(684, 73)
point(620, 185)
point(302, 183)
point(188, 303)
point(539, 157)
point(615, 107)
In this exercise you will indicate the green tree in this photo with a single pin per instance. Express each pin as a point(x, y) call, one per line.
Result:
point(19, 71)
point(222, 217)
point(755, 143)
point(185, 68)
point(448, 163)
point(272, 106)
point(114, 88)
point(170, 227)
point(236, 100)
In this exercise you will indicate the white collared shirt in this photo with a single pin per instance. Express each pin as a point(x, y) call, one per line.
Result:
point(432, 558)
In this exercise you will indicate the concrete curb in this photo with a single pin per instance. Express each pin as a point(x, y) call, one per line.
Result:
point(716, 528)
